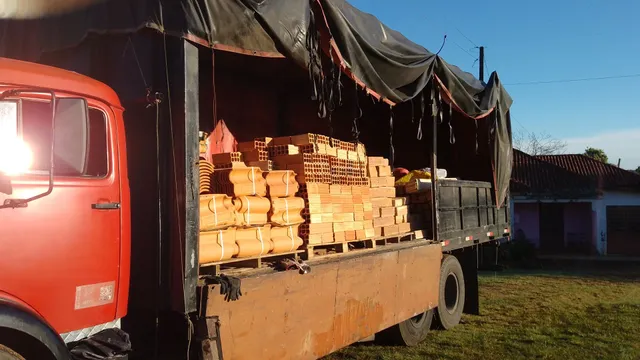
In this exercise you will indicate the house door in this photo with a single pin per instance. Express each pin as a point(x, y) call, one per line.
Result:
point(623, 228)
point(551, 228)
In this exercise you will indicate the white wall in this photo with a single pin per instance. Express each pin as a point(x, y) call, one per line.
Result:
point(610, 198)
point(599, 207)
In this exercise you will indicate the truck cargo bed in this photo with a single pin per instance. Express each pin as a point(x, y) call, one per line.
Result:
point(468, 214)
point(286, 315)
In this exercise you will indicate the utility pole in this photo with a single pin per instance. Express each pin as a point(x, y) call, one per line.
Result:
point(481, 63)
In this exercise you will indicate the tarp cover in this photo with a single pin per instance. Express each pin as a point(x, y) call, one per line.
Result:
point(379, 58)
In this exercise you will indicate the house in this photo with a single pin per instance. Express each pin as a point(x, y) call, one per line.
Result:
point(573, 204)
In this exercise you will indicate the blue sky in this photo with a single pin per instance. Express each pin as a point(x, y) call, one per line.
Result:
point(543, 41)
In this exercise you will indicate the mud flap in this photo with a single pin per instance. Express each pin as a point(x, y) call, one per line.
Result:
point(109, 344)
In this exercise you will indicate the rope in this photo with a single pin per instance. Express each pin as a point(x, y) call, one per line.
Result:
point(413, 115)
point(253, 181)
point(391, 148)
point(286, 209)
point(248, 219)
point(452, 138)
point(440, 107)
point(221, 243)
point(357, 115)
point(215, 212)
point(286, 180)
point(476, 123)
point(135, 56)
point(293, 243)
point(215, 100)
point(261, 240)
point(422, 107)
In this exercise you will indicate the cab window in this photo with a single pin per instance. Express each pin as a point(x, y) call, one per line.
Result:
point(36, 132)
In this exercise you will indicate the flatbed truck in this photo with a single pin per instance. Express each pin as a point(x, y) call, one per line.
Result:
point(100, 226)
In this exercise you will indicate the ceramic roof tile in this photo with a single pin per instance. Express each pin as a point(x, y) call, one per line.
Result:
point(570, 174)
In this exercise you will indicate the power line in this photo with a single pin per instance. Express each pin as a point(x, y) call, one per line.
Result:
point(463, 49)
point(486, 67)
point(465, 36)
point(519, 123)
point(576, 80)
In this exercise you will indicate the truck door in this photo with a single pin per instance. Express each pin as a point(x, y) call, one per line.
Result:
point(61, 253)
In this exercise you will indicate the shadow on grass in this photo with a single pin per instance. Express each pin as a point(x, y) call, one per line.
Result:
point(574, 313)
point(629, 273)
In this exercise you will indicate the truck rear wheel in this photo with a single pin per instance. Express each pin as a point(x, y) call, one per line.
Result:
point(409, 332)
point(8, 354)
point(451, 293)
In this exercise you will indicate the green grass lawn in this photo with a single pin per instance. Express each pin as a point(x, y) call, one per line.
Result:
point(543, 315)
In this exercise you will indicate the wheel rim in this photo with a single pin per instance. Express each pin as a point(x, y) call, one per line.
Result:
point(418, 319)
point(8, 354)
point(451, 293)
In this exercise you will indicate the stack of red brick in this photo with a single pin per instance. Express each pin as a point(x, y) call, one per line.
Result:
point(390, 212)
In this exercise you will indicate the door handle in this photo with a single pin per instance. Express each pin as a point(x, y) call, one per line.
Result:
point(106, 206)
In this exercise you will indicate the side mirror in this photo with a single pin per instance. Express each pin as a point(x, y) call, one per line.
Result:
point(71, 141)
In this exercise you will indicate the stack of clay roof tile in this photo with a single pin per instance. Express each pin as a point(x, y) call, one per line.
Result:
point(217, 240)
point(254, 241)
point(286, 210)
point(252, 210)
point(218, 245)
point(247, 181)
point(266, 210)
point(206, 176)
point(216, 211)
point(243, 190)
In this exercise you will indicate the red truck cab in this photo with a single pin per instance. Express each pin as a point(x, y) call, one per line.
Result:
point(65, 238)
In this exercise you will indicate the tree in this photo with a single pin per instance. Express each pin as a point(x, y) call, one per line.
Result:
point(597, 154)
point(538, 144)
point(638, 169)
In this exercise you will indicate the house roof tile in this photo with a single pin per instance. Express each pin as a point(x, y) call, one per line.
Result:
point(571, 174)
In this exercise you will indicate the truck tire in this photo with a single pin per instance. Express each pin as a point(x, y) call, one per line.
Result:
point(15, 345)
point(25, 336)
point(451, 293)
point(410, 332)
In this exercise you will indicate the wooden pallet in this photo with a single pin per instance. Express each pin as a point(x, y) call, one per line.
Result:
point(340, 247)
point(256, 262)
point(395, 239)
point(343, 247)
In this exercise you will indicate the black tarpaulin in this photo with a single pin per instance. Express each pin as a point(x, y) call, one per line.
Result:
point(378, 58)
